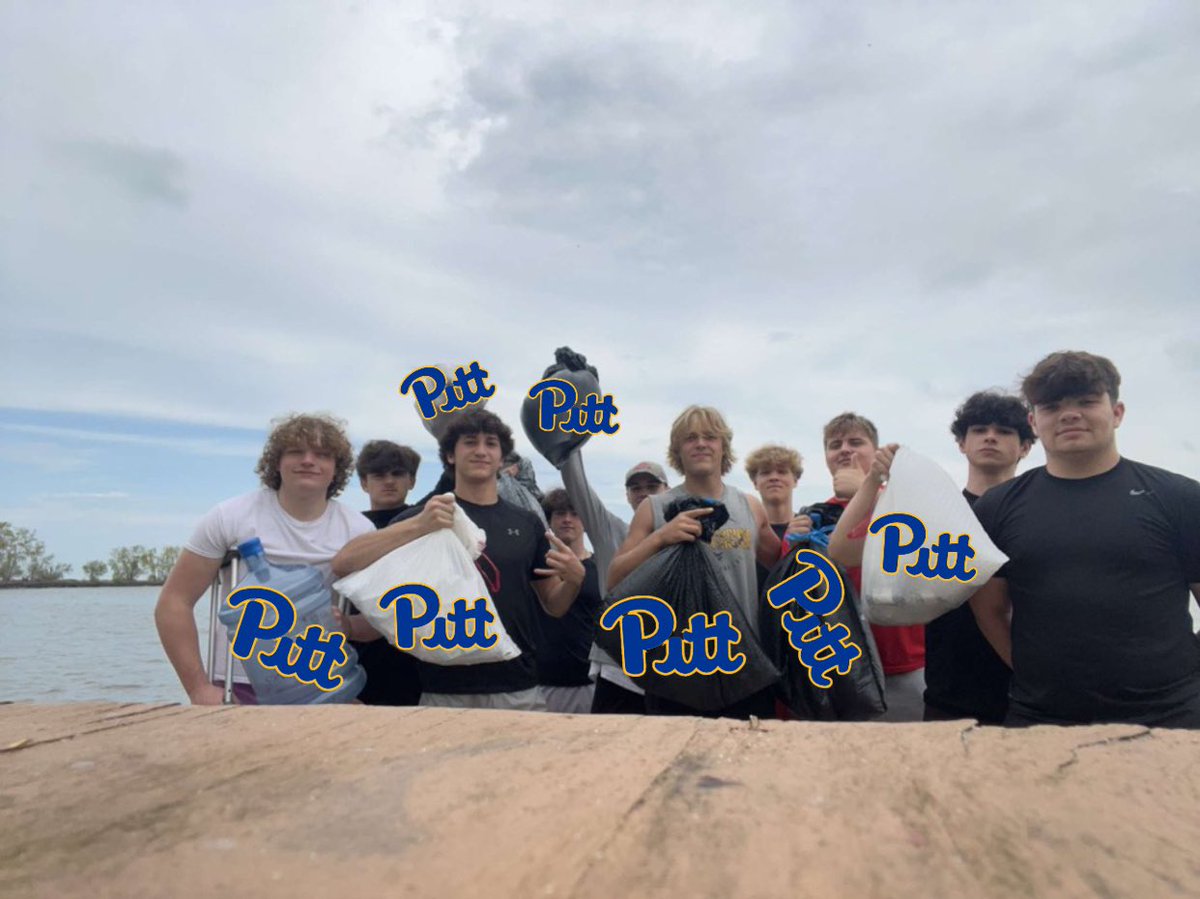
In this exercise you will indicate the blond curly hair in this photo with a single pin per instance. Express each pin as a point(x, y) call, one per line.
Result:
point(772, 456)
point(316, 431)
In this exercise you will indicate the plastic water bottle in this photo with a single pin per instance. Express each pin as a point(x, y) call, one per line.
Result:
point(305, 587)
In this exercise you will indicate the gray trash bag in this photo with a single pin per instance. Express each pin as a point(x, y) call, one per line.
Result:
point(437, 425)
point(511, 490)
point(555, 446)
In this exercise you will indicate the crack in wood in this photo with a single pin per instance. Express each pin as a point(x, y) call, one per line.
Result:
point(1075, 750)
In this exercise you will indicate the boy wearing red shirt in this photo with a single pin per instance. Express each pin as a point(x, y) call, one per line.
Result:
point(850, 442)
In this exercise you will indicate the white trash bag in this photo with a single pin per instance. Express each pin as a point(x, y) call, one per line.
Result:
point(444, 562)
point(442, 419)
point(919, 489)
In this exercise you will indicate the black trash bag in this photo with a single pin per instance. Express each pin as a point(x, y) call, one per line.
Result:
point(856, 696)
point(686, 576)
point(709, 524)
point(556, 446)
point(824, 516)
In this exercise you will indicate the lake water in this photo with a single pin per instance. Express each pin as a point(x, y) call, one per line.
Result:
point(86, 643)
point(94, 643)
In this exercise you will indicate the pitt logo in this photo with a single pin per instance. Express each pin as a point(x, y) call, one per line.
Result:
point(468, 387)
point(557, 400)
point(946, 560)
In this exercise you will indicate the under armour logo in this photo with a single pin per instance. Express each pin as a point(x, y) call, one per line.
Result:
point(1137, 492)
point(514, 532)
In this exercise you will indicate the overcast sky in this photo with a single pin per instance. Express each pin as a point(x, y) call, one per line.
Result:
point(216, 213)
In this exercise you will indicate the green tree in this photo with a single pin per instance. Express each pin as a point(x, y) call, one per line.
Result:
point(12, 551)
point(46, 569)
point(23, 556)
point(134, 563)
point(94, 570)
point(163, 561)
point(128, 563)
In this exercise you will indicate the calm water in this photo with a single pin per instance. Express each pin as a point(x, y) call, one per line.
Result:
point(94, 643)
point(86, 643)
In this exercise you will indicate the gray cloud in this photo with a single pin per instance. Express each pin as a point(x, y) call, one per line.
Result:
point(845, 149)
point(145, 173)
point(785, 210)
point(1185, 353)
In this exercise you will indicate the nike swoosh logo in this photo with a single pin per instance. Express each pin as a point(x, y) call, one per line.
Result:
point(1137, 492)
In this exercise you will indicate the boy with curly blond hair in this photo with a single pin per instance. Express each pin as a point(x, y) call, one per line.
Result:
point(305, 463)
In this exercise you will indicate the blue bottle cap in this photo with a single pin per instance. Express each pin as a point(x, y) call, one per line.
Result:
point(252, 547)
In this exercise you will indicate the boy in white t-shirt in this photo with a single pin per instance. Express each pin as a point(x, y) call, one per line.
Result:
point(306, 462)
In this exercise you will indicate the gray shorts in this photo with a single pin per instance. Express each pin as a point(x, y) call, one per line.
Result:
point(530, 700)
point(905, 696)
point(573, 700)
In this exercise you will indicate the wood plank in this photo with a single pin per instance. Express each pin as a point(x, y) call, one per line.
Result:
point(178, 801)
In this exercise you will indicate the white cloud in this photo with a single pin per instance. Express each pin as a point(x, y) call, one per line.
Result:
point(197, 445)
point(45, 456)
point(785, 211)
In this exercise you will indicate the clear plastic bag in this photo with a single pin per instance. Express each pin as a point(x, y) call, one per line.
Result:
point(443, 562)
point(918, 487)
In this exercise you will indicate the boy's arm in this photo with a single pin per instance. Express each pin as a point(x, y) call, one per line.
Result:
point(174, 616)
point(606, 531)
point(643, 541)
point(768, 544)
point(560, 580)
point(993, 614)
point(847, 551)
point(367, 548)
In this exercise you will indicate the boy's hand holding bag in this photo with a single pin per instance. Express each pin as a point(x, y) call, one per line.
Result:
point(925, 553)
point(441, 561)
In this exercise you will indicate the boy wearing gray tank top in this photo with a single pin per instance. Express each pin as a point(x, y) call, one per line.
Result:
point(700, 449)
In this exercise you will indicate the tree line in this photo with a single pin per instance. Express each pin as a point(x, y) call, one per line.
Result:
point(23, 557)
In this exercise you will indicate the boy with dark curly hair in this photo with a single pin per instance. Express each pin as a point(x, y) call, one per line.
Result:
point(964, 678)
point(524, 566)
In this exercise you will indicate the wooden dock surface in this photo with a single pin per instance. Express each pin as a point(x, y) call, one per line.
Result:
point(166, 800)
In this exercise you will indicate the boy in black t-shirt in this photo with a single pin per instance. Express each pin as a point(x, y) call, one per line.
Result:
point(387, 472)
point(1102, 554)
point(523, 566)
point(564, 643)
point(964, 678)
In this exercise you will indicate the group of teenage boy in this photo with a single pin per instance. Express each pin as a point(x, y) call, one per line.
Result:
point(1088, 621)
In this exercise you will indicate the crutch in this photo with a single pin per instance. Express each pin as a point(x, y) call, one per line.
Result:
point(215, 627)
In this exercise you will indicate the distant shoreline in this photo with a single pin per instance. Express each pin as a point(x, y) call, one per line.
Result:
point(73, 582)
